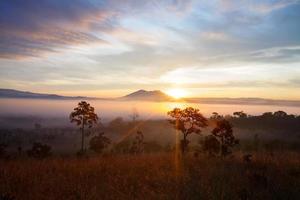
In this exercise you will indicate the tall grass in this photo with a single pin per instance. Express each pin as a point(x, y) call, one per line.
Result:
point(153, 176)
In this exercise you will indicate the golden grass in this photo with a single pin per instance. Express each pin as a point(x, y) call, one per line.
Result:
point(153, 176)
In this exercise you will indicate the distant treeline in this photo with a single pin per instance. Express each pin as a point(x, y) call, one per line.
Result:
point(278, 121)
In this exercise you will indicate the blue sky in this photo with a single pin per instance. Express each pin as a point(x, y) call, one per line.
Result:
point(109, 48)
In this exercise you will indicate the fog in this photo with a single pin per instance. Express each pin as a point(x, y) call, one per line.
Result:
point(110, 109)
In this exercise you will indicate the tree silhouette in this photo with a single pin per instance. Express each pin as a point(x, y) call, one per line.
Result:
point(188, 121)
point(215, 116)
point(280, 113)
point(138, 143)
point(240, 114)
point(83, 115)
point(223, 131)
point(99, 143)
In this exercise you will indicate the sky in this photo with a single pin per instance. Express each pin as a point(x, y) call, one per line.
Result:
point(216, 48)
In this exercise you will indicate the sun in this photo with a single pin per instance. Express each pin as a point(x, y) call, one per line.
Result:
point(176, 93)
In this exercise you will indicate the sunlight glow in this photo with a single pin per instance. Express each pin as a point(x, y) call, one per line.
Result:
point(176, 93)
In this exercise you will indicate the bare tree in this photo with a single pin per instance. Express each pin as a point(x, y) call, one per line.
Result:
point(84, 116)
point(188, 121)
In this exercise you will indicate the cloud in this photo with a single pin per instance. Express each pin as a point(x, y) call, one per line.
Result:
point(154, 43)
point(34, 44)
point(262, 7)
point(33, 28)
point(135, 37)
point(258, 75)
point(285, 54)
point(216, 36)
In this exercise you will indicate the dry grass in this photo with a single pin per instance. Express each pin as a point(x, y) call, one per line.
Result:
point(153, 177)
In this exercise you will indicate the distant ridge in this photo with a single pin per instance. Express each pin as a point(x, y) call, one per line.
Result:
point(10, 93)
point(155, 95)
point(244, 101)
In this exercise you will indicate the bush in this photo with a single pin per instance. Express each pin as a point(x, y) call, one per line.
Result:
point(99, 143)
point(2, 150)
point(211, 145)
point(152, 146)
point(39, 150)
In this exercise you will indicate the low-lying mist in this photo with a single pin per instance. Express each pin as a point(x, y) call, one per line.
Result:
point(23, 113)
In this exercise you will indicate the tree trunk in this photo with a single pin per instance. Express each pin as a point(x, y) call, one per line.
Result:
point(183, 145)
point(82, 138)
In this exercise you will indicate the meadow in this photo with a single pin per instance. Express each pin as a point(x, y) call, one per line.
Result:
point(188, 156)
point(268, 175)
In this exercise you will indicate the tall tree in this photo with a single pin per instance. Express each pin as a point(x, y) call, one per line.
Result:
point(188, 121)
point(84, 116)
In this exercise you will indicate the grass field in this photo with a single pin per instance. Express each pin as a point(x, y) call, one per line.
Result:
point(153, 176)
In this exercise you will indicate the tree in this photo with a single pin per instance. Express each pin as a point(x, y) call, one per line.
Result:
point(138, 143)
point(267, 114)
point(188, 121)
point(240, 114)
point(215, 116)
point(83, 115)
point(223, 131)
point(99, 143)
point(280, 113)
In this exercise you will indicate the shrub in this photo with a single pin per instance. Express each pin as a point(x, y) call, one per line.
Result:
point(2, 150)
point(211, 145)
point(39, 150)
point(99, 143)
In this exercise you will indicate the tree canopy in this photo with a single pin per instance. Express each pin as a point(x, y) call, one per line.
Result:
point(188, 121)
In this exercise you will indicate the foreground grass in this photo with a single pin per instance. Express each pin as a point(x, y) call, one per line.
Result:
point(155, 176)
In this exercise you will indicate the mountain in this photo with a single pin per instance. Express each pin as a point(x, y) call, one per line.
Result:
point(155, 95)
point(9, 93)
